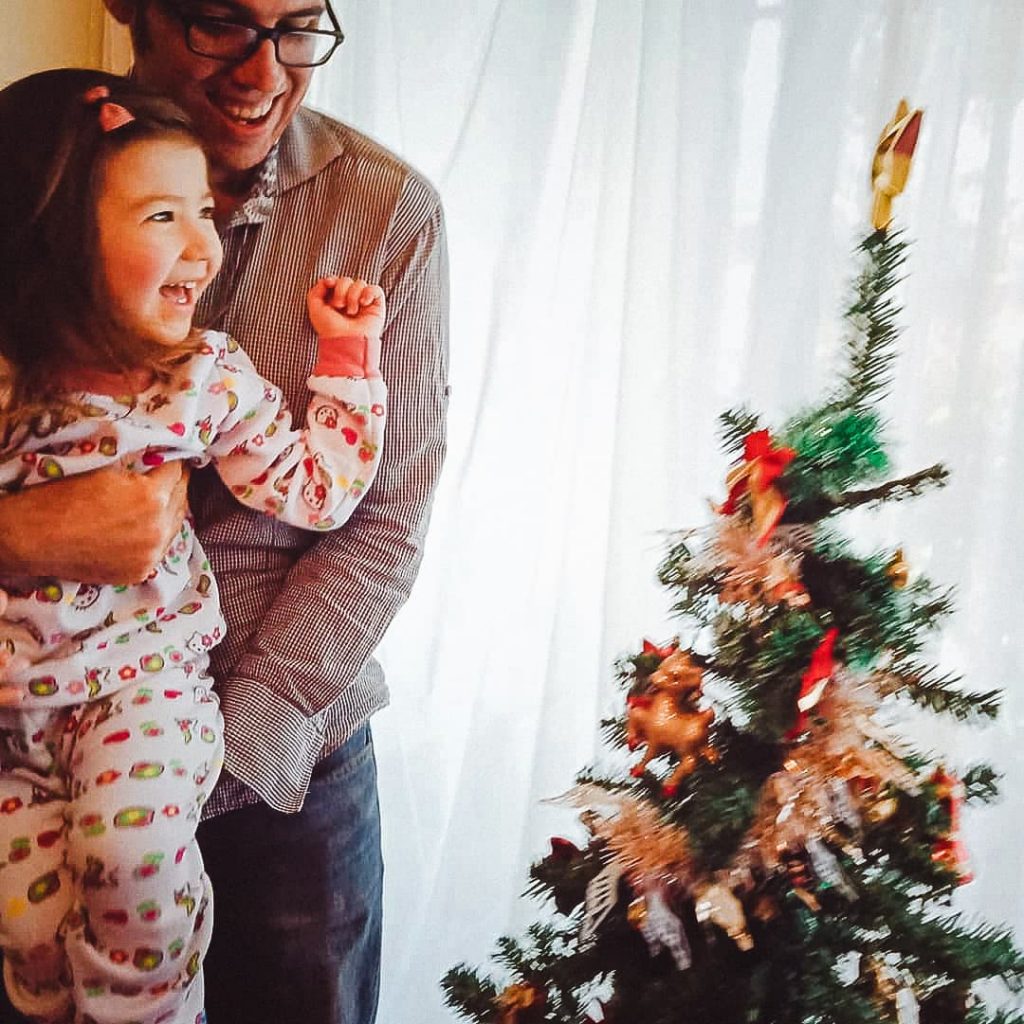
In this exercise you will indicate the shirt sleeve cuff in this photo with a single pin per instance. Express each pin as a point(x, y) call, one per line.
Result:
point(346, 357)
point(276, 763)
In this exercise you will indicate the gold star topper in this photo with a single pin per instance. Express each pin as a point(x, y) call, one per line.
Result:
point(890, 167)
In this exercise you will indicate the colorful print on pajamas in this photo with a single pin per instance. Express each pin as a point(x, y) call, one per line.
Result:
point(105, 910)
point(98, 822)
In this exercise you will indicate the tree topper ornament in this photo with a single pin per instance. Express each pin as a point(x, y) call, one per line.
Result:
point(890, 167)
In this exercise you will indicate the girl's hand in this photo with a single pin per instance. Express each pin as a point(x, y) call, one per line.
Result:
point(11, 696)
point(343, 307)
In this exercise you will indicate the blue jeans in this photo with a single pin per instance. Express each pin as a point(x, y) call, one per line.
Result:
point(297, 902)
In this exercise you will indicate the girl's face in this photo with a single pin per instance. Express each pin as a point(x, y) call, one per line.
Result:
point(158, 247)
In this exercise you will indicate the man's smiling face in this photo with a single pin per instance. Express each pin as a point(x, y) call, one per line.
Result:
point(240, 108)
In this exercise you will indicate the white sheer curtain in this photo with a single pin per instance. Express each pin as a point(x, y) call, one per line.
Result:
point(652, 207)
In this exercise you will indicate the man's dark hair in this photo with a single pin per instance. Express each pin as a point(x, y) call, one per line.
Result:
point(139, 27)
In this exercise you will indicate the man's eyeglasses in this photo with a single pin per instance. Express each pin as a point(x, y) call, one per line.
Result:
point(227, 40)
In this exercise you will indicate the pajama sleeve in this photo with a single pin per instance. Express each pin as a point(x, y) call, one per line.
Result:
point(311, 478)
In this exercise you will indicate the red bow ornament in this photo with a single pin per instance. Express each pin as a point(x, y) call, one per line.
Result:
point(661, 653)
point(949, 850)
point(814, 681)
point(564, 849)
point(762, 465)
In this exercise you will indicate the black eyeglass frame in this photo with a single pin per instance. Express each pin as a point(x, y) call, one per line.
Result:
point(274, 34)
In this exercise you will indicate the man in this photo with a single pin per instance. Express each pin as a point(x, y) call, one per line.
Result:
point(291, 836)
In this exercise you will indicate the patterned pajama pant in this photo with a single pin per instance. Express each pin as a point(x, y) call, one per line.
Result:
point(105, 909)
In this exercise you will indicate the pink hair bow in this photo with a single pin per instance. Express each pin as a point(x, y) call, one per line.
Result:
point(111, 115)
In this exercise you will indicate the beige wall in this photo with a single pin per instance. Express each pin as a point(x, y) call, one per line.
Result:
point(41, 34)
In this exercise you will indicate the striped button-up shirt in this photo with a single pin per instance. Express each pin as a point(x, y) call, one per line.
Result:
point(305, 611)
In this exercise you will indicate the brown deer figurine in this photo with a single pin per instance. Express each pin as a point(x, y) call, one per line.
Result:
point(666, 721)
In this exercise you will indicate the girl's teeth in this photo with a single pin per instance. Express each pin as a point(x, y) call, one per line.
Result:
point(179, 293)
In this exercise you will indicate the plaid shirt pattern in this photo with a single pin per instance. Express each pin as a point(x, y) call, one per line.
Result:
point(296, 675)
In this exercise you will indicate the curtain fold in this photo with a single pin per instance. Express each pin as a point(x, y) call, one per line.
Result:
point(653, 207)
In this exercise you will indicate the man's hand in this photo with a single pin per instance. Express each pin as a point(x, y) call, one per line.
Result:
point(110, 526)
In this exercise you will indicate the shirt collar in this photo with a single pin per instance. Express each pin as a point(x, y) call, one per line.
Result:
point(309, 143)
point(258, 204)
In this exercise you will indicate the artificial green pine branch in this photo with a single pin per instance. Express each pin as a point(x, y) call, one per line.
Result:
point(563, 876)
point(613, 731)
point(512, 955)
point(469, 994)
point(911, 486)
point(764, 665)
point(677, 559)
point(697, 598)
point(860, 599)
point(941, 693)
point(815, 498)
point(982, 1015)
point(822, 996)
point(719, 817)
point(900, 851)
point(695, 589)
point(734, 426)
point(835, 451)
point(927, 605)
point(873, 319)
point(943, 945)
point(981, 784)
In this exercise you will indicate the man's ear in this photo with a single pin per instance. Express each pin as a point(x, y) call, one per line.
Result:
point(122, 10)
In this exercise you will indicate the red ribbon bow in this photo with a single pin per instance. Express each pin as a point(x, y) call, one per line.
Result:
point(111, 115)
point(563, 849)
point(813, 681)
point(950, 850)
point(660, 652)
point(762, 465)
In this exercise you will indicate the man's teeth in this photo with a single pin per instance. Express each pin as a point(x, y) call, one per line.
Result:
point(242, 113)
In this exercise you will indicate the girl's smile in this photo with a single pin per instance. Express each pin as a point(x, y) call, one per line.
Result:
point(158, 247)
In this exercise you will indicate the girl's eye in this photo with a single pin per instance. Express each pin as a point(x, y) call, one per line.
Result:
point(163, 217)
point(207, 212)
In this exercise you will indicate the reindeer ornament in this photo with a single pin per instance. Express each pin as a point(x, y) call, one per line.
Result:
point(666, 720)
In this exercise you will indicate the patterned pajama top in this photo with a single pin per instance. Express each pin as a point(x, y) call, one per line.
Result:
point(67, 642)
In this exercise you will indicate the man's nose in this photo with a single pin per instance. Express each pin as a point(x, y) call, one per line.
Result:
point(261, 70)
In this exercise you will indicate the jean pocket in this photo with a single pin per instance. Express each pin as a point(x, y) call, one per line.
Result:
point(348, 758)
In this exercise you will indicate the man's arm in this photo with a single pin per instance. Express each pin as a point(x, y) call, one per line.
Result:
point(109, 526)
point(341, 596)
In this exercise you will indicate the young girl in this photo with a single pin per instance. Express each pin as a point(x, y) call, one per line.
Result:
point(106, 243)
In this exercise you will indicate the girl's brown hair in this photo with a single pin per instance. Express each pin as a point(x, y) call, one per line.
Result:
point(54, 313)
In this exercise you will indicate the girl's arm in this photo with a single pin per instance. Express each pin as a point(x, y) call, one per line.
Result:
point(312, 478)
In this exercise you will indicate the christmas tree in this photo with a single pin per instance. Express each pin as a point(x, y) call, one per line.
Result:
point(777, 854)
